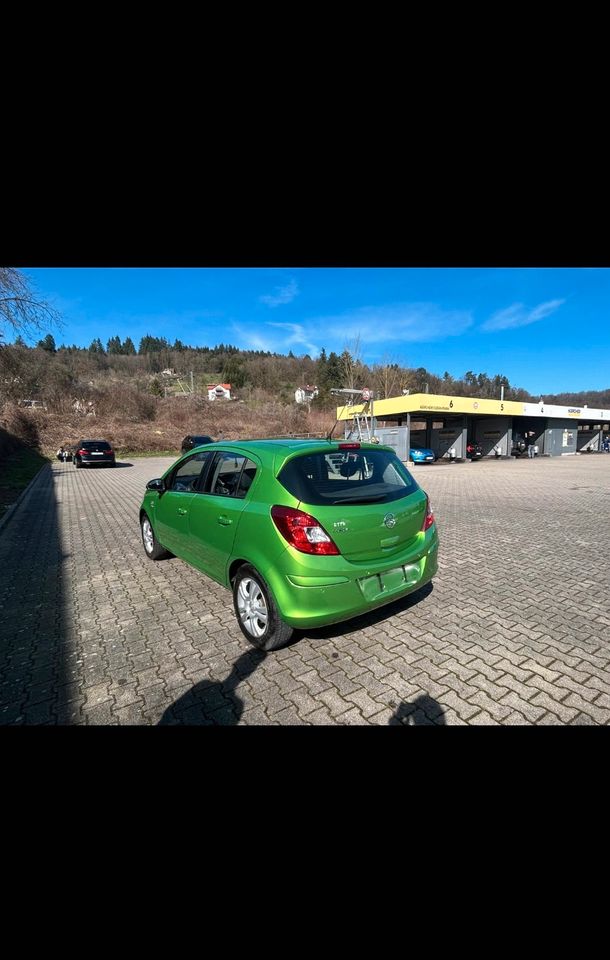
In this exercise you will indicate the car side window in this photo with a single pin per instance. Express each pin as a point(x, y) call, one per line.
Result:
point(224, 478)
point(245, 481)
point(185, 477)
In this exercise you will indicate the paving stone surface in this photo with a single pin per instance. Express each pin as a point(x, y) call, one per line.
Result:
point(514, 631)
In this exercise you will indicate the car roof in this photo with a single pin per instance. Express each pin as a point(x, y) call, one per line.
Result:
point(278, 450)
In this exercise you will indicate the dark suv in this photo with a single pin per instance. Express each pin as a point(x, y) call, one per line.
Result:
point(93, 451)
point(519, 447)
point(194, 441)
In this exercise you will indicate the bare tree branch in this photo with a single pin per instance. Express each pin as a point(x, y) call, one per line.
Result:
point(20, 309)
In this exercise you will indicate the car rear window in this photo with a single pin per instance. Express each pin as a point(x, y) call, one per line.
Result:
point(96, 445)
point(347, 477)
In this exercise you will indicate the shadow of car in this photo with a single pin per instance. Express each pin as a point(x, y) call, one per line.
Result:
point(194, 440)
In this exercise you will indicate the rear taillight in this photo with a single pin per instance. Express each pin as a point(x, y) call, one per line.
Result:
point(429, 518)
point(303, 532)
point(82, 453)
point(111, 452)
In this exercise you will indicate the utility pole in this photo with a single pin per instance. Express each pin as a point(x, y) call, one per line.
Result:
point(192, 387)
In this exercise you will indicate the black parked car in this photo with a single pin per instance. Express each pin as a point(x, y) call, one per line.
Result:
point(93, 451)
point(474, 451)
point(194, 441)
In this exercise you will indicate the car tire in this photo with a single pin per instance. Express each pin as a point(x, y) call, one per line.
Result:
point(256, 611)
point(152, 548)
point(76, 464)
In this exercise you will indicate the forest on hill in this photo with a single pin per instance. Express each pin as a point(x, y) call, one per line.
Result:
point(144, 397)
point(147, 398)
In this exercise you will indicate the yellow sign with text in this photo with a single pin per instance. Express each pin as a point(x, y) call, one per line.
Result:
point(432, 403)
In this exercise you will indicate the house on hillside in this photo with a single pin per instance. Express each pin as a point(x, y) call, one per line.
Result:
point(305, 394)
point(219, 391)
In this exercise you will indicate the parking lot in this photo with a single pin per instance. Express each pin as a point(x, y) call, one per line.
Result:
point(514, 630)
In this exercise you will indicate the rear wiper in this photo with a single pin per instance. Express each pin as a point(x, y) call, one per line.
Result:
point(360, 499)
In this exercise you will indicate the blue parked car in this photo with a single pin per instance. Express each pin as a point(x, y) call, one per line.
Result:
point(422, 455)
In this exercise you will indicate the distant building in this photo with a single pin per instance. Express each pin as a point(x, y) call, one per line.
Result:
point(219, 391)
point(305, 394)
point(84, 406)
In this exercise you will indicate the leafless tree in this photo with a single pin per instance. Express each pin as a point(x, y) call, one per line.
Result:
point(350, 363)
point(387, 377)
point(22, 311)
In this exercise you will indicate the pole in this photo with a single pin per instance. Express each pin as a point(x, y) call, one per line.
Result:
point(192, 387)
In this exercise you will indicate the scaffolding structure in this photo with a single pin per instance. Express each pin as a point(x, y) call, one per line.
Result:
point(363, 424)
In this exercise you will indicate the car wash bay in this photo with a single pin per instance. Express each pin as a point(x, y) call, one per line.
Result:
point(503, 428)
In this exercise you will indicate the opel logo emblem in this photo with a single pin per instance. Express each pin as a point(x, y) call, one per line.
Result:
point(389, 520)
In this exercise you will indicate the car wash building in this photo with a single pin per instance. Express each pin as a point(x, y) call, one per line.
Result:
point(503, 428)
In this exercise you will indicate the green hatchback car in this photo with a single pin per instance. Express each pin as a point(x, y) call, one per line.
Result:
point(305, 532)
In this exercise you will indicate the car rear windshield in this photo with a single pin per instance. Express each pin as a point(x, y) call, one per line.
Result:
point(197, 441)
point(347, 477)
point(95, 445)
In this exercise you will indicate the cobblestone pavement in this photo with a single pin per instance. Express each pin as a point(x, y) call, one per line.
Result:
point(515, 630)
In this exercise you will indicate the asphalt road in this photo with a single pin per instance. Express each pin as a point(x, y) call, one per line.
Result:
point(515, 629)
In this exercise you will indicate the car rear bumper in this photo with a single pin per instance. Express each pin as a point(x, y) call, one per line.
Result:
point(90, 461)
point(350, 590)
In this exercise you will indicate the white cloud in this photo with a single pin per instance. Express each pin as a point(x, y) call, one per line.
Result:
point(518, 315)
point(281, 295)
point(382, 326)
point(407, 322)
point(299, 337)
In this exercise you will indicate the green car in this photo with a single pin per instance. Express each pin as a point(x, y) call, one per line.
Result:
point(305, 532)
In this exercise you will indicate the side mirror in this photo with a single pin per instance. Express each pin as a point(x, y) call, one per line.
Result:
point(158, 485)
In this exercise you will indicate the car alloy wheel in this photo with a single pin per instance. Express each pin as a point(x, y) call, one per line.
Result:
point(252, 607)
point(152, 547)
point(148, 537)
point(257, 614)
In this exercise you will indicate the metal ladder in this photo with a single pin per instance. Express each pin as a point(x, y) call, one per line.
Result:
point(362, 422)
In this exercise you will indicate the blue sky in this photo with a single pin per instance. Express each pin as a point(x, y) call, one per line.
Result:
point(546, 329)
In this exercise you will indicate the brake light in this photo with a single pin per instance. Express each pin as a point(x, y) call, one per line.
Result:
point(349, 446)
point(303, 532)
point(429, 518)
point(81, 452)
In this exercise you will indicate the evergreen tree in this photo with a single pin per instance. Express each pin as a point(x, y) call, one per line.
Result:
point(322, 371)
point(96, 346)
point(128, 348)
point(114, 346)
point(333, 378)
point(233, 373)
point(47, 344)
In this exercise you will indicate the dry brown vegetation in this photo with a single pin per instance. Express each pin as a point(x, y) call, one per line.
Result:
point(160, 425)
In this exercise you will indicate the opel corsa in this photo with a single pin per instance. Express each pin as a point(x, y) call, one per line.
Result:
point(305, 533)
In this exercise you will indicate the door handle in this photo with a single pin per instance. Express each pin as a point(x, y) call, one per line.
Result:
point(182, 512)
point(225, 521)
